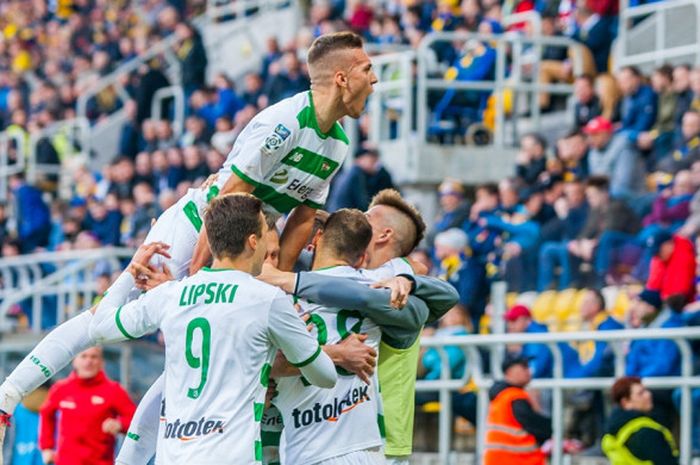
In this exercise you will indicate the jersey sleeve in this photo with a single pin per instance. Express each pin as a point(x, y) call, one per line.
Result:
point(131, 320)
point(289, 334)
point(390, 269)
point(260, 148)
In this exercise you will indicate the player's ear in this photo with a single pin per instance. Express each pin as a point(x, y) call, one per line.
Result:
point(253, 242)
point(341, 79)
point(316, 238)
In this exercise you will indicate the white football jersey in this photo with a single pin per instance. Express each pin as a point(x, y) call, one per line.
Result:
point(284, 154)
point(221, 330)
point(324, 423)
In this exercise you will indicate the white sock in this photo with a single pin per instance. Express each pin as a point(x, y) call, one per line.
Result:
point(140, 442)
point(53, 353)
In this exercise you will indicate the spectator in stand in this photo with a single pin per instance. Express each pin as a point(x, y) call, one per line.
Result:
point(32, 215)
point(647, 358)
point(519, 320)
point(659, 139)
point(572, 150)
point(692, 224)
point(104, 223)
point(355, 187)
point(672, 269)
point(695, 88)
point(610, 96)
point(572, 211)
point(193, 57)
point(688, 149)
point(639, 103)
point(454, 208)
point(609, 222)
point(176, 168)
point(196, 131)
point(595, 32)
point(454, 323)
point(195, 168)
point(286, 78)
point(129, 136)
point(515, 429)
point(253, 89)
point(151, 80)
point(532, 157)
point(684, 95)
point(588, 359)
point(164, 135)
point(93, 411)
point(145, 212)
point(631, 431)
point(671, 206)
point(613, 155)
point(587, 104)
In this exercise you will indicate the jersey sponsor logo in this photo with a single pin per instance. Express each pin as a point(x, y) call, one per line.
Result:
point(44, 369)
point(280, 177)
point(190, 430)
point(215, 293)
point(301, 189)
point(67, 404)
point(331, 412)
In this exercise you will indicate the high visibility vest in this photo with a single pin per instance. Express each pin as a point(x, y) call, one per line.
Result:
point(507, 443)
point(618, 453)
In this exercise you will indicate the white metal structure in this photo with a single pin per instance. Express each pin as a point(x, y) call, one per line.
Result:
point(658, 33)
point(558, 384)
point(67, 276)
point(11, 141)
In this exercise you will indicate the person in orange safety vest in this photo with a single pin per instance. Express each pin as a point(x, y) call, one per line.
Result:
point(514, 430)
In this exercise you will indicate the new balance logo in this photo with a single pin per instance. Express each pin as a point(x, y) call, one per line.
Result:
point(331, 412)
point(187, 431)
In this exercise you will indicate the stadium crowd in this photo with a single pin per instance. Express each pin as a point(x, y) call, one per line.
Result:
point(616, 201)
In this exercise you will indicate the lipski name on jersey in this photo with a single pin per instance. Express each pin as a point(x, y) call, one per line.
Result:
point(216, 293)
point(331, 412)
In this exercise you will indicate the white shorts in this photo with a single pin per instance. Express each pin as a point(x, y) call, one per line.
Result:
point(373, 456)
point(403, 460)
point(174, 228)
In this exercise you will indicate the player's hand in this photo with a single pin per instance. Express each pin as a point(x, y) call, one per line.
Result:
point(111, 426)
point(149, 277)
point(144, 254)
point(48, 456)
point(282, 279)
point(355, 356)
point(400, 290)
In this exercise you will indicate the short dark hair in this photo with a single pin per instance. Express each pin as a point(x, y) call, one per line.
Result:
point(490, 187)
point(599, 182)
point(348, 233)
point(392, 198)
point(598, 296)
point(622, 389)
point(271, 220)
point(229, 221)
point(538, 138)
point(632, 69)
point(327, 43)
point(666, 71)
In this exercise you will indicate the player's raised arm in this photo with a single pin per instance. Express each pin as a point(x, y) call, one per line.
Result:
point(301, 349)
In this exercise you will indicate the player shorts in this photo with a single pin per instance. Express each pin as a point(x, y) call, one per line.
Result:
point(373, 456)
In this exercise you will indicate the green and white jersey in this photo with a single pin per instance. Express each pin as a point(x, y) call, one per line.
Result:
point(323, 423)
point(390, 269)
point(221, 330)
point(179, 226)
point(284, 154)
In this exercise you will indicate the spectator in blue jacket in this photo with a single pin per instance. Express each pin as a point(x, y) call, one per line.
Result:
point(355, 187)
point(104, 222)
point(454, 208)
point(32, 214)
point(519, 320)
point(638, 103)
point(453, 323)
point(653, 357)
point(595, 32)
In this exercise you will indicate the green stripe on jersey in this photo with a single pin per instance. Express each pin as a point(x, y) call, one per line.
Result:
point(281, 202)
point(191, 212)
point(258, 410)
point(120, 325)
point(307, 119)
point(270, 438)
point(311, 162)
point(258, 451)
point(265, 374)
point(308, 360)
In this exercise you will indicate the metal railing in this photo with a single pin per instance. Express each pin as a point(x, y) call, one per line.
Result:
point(218, 10)
point(65, 276)
point(515, 82)
point(9, 141)
point(661, 52)
point(558, 384)
point(159, 104)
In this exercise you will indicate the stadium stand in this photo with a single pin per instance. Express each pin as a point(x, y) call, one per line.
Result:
point(566, 147)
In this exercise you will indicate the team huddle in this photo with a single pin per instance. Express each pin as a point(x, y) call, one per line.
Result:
point(263, 365)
